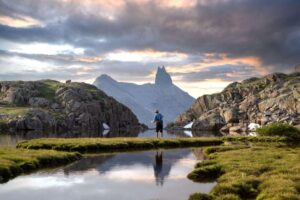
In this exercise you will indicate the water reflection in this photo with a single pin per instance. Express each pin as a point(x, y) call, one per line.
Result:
point(13, 138)
point(137, 175)
point(158, 168)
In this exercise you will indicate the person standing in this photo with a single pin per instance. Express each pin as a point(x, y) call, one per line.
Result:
point(158, 120)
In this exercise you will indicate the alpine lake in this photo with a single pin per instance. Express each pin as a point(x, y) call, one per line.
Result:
point(151, 174)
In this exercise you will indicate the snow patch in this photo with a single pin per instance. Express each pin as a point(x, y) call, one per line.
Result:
point(253, 126)
point(105, 126)
point(189, 125)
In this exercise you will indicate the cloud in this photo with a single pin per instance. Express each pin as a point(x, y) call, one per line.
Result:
point(223, 39)
point(222, 72)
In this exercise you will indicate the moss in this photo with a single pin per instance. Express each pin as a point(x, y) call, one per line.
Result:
point(244, 188)
point(276, 139)
point(279, 129)
point(210, 150)
point(228, 197)
point(109, 144)
point(16, 161)
point(206, 173)
point(257, 172)
point(200, 196)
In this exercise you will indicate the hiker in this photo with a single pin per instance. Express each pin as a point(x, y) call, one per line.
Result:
point(158, 120)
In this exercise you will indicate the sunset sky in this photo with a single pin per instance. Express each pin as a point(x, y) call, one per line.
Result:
point(204, 44)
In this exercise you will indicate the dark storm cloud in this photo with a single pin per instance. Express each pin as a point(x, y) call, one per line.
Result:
point(268, 29)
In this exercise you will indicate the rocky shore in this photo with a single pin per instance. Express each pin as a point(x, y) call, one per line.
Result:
point(55, 106)
point(273, 98)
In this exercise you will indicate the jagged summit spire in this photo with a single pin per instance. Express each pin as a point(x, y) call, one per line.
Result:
point(162, 77)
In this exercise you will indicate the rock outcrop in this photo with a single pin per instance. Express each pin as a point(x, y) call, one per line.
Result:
point(275, 97)
point(51, 105)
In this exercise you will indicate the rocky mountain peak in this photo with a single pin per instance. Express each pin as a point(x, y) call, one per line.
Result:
point(144, 99)
point(162, 77)
point(106, 78)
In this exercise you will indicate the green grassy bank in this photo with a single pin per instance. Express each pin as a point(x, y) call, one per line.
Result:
point(250, 172)
point(115, 144)
point(123, 144)
point(14, 162)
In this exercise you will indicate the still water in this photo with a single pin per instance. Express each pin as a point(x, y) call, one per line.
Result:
point(11, 139)
point(148, 175)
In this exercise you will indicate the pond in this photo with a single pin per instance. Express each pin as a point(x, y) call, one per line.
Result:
point(11, 139)
point(158, 174)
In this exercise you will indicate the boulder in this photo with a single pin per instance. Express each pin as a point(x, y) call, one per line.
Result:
point(210, 122)
point(231, 115)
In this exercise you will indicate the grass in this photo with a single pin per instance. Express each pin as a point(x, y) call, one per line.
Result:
point(262, 139)
point(109, 144)
point(115, 144)
point(253, 172)
point(200, 196)
point(48, 88)
point(14, 110)
point(17, 161)
point(279, 129)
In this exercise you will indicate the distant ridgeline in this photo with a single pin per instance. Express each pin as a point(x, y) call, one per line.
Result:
point(273, 98)
point(54, 106)
point(144, 99)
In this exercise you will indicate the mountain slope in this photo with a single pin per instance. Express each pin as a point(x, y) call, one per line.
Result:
point(144, 99)
point(275, 97)
point(55, 106)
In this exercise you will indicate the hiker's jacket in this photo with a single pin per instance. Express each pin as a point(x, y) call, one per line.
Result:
point(158, 118)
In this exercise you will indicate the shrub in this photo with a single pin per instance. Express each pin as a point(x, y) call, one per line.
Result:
point(279, 129)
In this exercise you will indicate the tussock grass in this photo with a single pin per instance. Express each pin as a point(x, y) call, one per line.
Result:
point(256, 172)
point(206, 173)
point(200, 196)
point(279, 129)
point(111, 144)
point(17, 161)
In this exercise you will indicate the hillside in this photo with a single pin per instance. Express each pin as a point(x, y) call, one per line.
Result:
point(55, 106)
point(275, 97)
point(143, 100)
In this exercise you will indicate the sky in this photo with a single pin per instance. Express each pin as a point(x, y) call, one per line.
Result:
point(204, 44)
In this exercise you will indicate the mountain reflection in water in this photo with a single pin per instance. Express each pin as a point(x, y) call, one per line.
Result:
point(160, 161)
point(136, 175)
